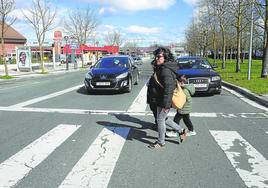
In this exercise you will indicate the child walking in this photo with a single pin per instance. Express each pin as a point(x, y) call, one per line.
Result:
point(184, 113)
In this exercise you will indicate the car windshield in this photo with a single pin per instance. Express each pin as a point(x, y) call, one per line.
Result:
point(112, 62)
point(193, 64)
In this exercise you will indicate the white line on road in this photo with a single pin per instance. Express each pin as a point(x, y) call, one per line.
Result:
point(252, 103)
point(95, 112)
point(32, 101)
point(118, 112)
point(254, 170)
point(96, 166)
point(19, 165)
point(139, 104)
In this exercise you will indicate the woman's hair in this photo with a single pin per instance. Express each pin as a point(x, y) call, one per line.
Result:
point(182, 78)
point(166, 52)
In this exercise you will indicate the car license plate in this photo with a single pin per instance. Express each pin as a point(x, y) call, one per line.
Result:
point(102, 83)
point(200, 85)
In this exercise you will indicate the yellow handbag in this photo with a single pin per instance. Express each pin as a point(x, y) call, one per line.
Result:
point(178, 97)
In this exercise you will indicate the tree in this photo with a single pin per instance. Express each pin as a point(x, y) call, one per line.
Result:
point(265, 57)
point(40, 16)
point(6, 7)
point(80, 24)
point(113, 38)
point(239, 10)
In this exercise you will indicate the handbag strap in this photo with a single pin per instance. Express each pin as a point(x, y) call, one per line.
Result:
point(177, 83)
point(156, 79)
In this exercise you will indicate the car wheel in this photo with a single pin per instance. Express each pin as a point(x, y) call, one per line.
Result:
point(129, 88)
point(137, 80)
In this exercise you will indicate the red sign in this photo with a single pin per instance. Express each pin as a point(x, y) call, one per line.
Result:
point(57, 35)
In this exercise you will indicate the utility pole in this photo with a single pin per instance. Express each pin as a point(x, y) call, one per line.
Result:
point(250, 44)
point(66, 38)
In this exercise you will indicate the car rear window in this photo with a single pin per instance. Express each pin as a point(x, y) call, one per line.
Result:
point(193, 64)
point(112, 62)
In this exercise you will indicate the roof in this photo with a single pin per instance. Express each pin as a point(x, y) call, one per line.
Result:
point(11, 33)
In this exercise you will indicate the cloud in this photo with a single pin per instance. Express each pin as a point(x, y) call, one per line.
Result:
point(191, 2)
point(107, 11)
point(142, 30)
point(136, 5)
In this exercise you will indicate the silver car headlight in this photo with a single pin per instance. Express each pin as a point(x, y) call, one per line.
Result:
point(122, 75)
point(215, 78)
point(88, 76)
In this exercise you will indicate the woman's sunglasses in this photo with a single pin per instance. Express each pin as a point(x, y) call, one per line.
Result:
point(159, 56)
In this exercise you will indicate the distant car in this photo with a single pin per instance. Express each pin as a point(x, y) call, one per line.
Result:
point(200, 73)
point(138, 60)
point(112, 73)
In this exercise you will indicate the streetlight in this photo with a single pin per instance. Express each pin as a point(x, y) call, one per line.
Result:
point(250, 44)
point(66, 38)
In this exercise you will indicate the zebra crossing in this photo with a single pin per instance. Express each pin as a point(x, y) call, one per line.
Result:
point(95, 167)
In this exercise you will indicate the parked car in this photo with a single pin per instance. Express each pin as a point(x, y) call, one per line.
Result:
point(200, 73)
point(112, 73)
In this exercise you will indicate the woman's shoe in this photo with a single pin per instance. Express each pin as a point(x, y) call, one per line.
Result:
point(183, 135)
point(156, 145)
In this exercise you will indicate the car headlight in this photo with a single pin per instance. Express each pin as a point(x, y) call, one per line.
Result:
point(122, 75)
point(88, 76)
point(215, 78)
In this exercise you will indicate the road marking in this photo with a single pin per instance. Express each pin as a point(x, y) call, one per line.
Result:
point(19, 165)
point(250, 102)
point(139, 104)
point(96, 166)
point(254, 169)
point(121, 112)
point(32, 101)
point(195, 114)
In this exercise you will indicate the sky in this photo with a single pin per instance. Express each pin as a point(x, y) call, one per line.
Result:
point(144, 22)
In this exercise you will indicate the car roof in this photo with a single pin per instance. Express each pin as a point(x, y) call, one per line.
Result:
point(189, 57)
point(113, 56)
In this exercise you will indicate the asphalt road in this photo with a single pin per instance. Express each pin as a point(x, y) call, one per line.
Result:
point(54, 134)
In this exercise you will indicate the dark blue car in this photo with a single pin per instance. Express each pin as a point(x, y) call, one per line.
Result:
point(200, 73)
point(112, 73)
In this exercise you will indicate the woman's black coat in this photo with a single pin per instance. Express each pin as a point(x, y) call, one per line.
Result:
point(166, 74)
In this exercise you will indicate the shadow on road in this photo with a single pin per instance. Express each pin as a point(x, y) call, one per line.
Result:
point(136, 132)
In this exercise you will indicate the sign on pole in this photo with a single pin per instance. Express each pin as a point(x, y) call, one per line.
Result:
point(23, 58)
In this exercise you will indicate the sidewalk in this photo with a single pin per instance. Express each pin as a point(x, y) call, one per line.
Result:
point(36, 71)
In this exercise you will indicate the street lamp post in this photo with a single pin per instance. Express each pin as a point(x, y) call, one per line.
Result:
point(250, 44)
point(66, 38)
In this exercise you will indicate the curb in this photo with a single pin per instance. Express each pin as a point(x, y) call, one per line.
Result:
point(245, 92)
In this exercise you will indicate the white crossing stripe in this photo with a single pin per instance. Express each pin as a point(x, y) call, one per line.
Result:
point(255, 171)
point(32, 101)
point(96, 166)
point(139, 104)
point(19, 165)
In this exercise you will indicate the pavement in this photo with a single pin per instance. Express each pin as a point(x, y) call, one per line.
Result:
point(36, 71)
point(61, 68)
